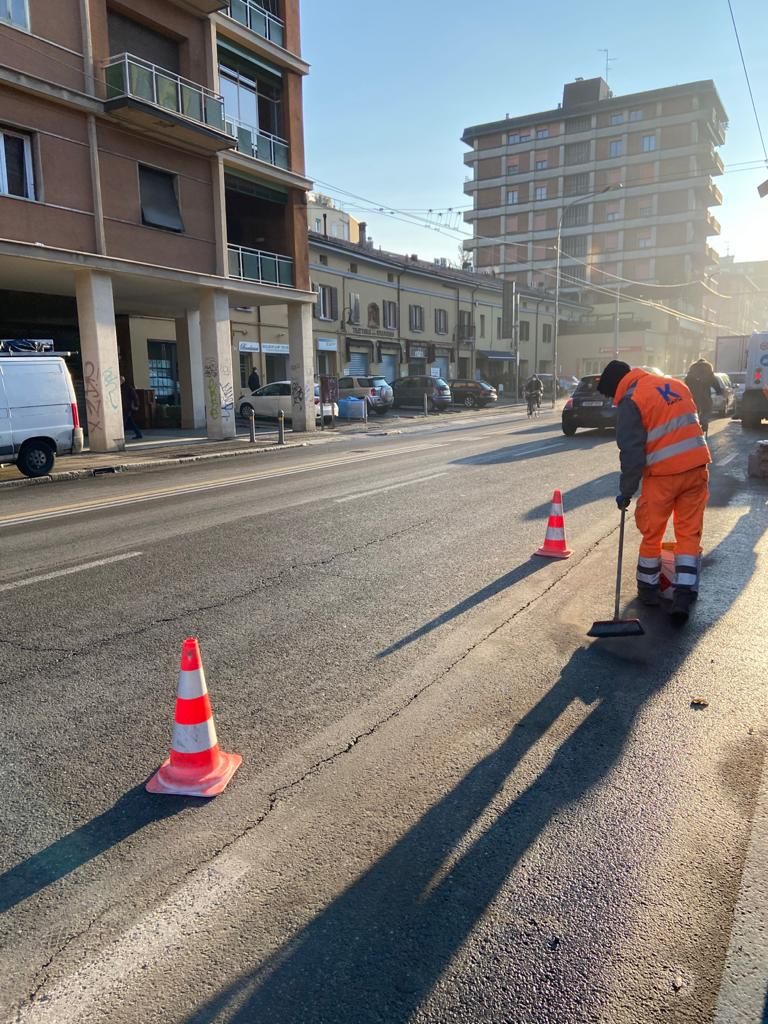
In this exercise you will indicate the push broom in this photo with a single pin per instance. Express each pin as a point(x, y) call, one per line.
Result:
point(606, 628)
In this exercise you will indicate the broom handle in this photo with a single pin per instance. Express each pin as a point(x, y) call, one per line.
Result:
point(618, 568)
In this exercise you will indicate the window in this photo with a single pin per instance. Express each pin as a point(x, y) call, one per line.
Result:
point(513, 167)
point(577, 153)
point(498, 326)
point(525, 330)
point(465, 325)
point(649, 143)
point(15, 12)
point(416, 318)
point(541, 165)
point(390, 278)
point(541, 192)
point(353, 268)
point(327, 304)
point(542, 133)
point(159, 201)
point(389, 314)
point(441, 321)
point(323, 259)
point(252, 92)
point(617, 119)
point(612, 215)
point(16, 177)
point(546, 334)
point(575, 245)
point(578, 124)
point(482, 325)
point(576, 216)
point(354, 308)
point(645, 211)
point(539, 221)
point(512, 197)
point(616, 147)
point(512, 140)
point(645, 242)
point(318, 225)
point(635, 115)
point(576, 184)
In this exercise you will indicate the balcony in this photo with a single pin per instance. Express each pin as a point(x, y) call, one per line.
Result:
point(158, 100)
point(259, 145)
point(713, 224)
point(715, 163)
point(264, 267)
point(716, 130)
point(257, 19)
point(712, 257)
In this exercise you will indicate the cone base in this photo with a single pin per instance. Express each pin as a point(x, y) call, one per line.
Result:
point(174, 781)
point(553, 553)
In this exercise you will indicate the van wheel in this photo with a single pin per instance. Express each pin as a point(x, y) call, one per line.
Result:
point(35, 458)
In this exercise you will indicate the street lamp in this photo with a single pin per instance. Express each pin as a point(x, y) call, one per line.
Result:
point(556, 332)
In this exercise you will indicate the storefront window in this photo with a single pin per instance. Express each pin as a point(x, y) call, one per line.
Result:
point(164, 372)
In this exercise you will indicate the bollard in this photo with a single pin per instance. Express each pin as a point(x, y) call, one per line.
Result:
point(426, 405)
point(281, 427)
point(253, 427)
point(365, 413)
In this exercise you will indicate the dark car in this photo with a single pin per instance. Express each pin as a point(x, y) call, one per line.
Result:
point(473, 393)
point(410, 391)
point(588, 408)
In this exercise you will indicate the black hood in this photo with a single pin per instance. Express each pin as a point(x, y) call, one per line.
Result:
point(611, 376)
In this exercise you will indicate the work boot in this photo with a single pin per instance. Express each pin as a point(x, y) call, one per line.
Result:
point(648, 595)
point(682, 602)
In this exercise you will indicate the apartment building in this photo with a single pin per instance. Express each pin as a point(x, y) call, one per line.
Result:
point(629, 182)
point(151, 182)
point(394, 314)
point(326, 218)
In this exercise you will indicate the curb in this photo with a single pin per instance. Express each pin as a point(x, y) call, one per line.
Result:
point(134, 467)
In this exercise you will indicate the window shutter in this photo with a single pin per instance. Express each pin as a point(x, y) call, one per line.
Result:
point(334, 304)
point(316, 308)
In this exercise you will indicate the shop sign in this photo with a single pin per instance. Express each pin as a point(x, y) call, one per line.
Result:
point(326, 344)
point(367, 332)
point(627, 348)
point(418, 352)
point(434, 371)
point(248, 346)
point(274, 348)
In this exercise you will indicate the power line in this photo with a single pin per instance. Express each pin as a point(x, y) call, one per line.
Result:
point(749, 84)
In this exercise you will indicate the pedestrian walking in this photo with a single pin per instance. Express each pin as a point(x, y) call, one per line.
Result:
point(700, 380)
point(254, 382)
point(500, 390)
point(130, 400)
point(661, 443)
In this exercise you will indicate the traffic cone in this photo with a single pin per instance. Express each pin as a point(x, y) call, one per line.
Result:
point(554, 545)
point(196, 766)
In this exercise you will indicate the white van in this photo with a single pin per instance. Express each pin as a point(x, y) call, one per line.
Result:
point(754, 401)
point(38, 413)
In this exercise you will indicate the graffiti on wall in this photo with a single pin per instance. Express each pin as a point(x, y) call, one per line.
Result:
point(220, 398)
point(297, 393)
point(93, 399)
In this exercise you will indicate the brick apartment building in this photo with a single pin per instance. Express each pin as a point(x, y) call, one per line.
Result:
point(632, 179)
point(151, 179)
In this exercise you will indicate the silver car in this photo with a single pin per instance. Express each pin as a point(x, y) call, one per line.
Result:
point(373, 388)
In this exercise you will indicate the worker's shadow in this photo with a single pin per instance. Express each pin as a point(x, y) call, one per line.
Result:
point(376, 952)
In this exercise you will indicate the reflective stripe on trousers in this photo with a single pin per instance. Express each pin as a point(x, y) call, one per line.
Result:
point(686, 572)
point(648, 571)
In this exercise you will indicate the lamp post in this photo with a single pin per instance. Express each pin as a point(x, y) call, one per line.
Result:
point(556, 331)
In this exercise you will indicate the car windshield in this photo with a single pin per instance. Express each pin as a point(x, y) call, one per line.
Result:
point(439, 382)
point(373, 382)
point(587, 386)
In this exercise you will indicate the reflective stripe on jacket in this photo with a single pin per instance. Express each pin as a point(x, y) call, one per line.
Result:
point(664, 430)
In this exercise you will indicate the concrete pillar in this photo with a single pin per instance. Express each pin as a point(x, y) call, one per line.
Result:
point(301, 365)
point(216, 346)
point(101, 370)
point(190, 359)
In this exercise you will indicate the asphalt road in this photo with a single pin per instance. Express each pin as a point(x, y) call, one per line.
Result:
point(452, 805)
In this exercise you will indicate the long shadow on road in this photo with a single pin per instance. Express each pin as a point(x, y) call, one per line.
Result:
point(376, 952)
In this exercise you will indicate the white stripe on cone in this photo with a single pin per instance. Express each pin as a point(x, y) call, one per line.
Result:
point(191, 684)
point(194, 739)
point(555, 533)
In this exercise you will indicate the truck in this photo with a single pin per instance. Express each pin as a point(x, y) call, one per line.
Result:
point(731, 353)
point(754, 404)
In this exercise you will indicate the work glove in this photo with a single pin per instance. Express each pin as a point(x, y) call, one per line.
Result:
point(622, 502)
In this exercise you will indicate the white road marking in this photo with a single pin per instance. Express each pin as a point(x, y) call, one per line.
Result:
point(389, 487)
point(726, 460)
point(742, 988)
point(161, 932)
point(68, 572)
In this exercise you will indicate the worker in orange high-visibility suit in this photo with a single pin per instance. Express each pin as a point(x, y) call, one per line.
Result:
point(661, 442)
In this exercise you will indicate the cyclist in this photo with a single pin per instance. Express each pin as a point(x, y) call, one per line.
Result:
point(534, 389)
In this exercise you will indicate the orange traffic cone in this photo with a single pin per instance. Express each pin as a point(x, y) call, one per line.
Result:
point(196, 766)
point(554, 545)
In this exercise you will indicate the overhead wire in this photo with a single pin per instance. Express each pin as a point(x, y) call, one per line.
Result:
point(749, 83)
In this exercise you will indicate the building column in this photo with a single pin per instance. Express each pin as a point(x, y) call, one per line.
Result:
point(301, 365)
point(216, 350)
point(101, 369)
point(190, 359)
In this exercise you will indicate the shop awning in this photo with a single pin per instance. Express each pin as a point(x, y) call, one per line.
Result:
point(497, 355)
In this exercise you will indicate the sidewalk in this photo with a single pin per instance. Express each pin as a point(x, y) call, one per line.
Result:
point(165, 448)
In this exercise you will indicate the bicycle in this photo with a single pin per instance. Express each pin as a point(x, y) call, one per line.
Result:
point(534, 404)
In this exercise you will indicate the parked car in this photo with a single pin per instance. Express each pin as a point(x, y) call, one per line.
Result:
point(588, 408)
point(410, 391)
point(724, 400)
point(473, 393)
point(266, 402)
point(374, 389)
point(568, 385)
point(738, 382)
point(38, 413)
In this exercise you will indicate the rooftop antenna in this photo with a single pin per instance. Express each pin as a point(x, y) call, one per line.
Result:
point(608, 61)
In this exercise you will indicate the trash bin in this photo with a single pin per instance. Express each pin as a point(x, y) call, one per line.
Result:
point(352, 408)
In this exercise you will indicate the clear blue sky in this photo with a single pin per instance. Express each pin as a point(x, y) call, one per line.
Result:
point(394, 84)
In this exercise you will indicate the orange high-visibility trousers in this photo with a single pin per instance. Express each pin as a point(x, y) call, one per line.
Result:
point(682, 496)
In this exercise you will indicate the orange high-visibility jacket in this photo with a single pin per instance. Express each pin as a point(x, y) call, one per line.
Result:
point(657, 428)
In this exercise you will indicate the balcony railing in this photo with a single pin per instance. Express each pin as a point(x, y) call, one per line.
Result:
point(714, 224)
point(133, 78)
point(255, 265)
point(261, 145)
point(257, 19)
